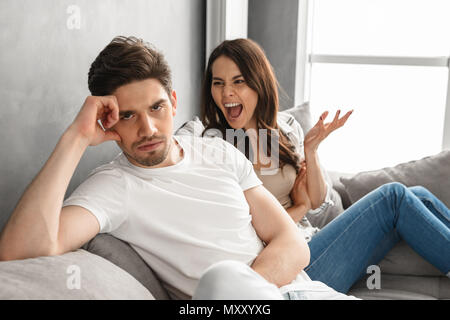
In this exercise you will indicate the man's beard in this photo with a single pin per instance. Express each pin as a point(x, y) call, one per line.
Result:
point(152, 158)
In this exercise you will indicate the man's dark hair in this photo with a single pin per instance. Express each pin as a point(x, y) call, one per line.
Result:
point(125, 60)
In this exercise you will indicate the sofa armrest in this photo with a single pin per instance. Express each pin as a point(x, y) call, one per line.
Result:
point(77, 275)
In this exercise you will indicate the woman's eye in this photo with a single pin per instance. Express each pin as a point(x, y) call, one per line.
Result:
point(239, 81)
point(217, 83)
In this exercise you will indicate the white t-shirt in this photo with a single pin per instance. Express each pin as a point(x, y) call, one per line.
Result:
point(182, 218)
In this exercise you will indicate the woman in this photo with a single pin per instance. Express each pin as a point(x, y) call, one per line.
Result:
point(240, 92)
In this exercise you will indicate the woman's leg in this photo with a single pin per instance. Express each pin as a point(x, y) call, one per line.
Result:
point(365, 232)
point(436, 206)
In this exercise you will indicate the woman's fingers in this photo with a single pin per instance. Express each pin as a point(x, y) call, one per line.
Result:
point(323, 116)
point(344, 119)
point(338, 122)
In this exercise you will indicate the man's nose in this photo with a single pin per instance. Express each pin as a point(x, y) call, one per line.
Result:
point(147, 127)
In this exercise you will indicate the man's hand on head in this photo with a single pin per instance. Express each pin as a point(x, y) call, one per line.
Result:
point(97, 108)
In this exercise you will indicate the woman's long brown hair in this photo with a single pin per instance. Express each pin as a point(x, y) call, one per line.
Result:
point(258, 74)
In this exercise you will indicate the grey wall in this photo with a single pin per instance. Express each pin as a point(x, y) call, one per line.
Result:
point(44, 66)
point(273, 24)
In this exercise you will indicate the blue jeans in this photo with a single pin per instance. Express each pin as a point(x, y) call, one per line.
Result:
point(367, 231)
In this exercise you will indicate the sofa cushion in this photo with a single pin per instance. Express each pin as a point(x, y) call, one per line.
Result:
point(192, 127)
point(124, 256)
point(431, 172)
point(302, 113)
point(75, 275)
point(335, 177)
point(403, 260)
point(404, 287)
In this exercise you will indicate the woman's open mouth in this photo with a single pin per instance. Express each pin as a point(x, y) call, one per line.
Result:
point(234, 110)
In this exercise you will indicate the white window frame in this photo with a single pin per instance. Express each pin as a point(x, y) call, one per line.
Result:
point(305, 59)
point(225, 20)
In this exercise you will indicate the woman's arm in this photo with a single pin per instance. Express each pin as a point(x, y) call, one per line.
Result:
point(317, 188)
point(297, 212)
point(316, 185)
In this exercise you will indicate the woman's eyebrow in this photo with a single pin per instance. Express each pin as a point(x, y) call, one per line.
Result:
point(235, 77)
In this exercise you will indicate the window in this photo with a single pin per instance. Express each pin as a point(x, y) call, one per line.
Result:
point(389, 61)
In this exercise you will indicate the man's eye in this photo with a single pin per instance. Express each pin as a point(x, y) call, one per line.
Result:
point(127, 116)
point(156, 108)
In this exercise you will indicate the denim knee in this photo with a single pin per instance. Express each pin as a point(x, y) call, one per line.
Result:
point(419, 190)
point(394, 187)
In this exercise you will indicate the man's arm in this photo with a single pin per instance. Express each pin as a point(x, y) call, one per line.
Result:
point(286, 252)
point(38, 226)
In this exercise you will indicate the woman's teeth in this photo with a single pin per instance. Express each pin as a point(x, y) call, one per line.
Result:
point(231, 105)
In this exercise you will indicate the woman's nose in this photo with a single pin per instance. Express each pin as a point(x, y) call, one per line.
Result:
point(228, 91)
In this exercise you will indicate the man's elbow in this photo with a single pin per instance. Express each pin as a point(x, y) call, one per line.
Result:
point(302, 247)
point(7, 255)
point(9, 252)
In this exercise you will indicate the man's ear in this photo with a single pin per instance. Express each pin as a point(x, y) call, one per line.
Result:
point(173, 100)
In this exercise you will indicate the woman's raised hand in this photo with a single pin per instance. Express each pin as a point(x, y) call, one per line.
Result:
point(321, 130)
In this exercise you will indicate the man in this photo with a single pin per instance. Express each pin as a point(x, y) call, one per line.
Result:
point(189, 220)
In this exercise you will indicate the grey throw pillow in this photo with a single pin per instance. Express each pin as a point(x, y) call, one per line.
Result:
point(302, 114)
point(193, 127)
point(432, 172)
point(124, 256)
point(76, 275)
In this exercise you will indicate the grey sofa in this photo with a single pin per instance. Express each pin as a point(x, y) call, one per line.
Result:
point(108, 268)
